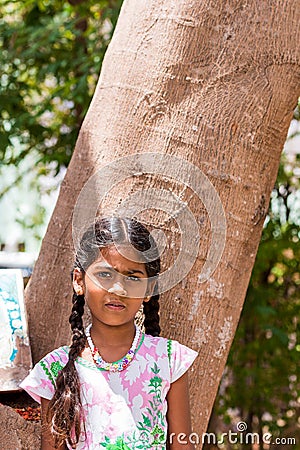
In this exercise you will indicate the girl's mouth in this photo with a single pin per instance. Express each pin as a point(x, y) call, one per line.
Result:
point(115, 306)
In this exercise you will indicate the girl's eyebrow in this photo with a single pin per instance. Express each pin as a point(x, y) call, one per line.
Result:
point(104, 265)
point(135, 271)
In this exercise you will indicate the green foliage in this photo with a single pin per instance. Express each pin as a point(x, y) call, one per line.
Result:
point(264, 359)
point(50, 57)
point(51, 53)
point(261, 382)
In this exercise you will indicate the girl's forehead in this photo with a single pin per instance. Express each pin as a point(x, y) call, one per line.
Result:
point(124, 255)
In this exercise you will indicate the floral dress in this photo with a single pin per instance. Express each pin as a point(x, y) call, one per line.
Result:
point(122, 410)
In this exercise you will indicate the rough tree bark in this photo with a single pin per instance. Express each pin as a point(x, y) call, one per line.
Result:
point(215, 83)
point(17, 433)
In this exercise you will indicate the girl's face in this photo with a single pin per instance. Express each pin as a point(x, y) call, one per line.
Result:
point(114, 286)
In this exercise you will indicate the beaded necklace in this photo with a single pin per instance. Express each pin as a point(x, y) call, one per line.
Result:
point(113, 366)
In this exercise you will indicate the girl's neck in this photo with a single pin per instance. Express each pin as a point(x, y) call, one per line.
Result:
point(112, 336)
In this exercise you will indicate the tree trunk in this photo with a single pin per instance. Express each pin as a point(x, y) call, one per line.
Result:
point(215, 84)
point(17, 433)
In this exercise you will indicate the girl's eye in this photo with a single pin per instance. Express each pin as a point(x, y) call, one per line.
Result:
point(133, 278)
point(104, 274)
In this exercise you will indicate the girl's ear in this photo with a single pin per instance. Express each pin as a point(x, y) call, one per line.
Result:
point(78, 284)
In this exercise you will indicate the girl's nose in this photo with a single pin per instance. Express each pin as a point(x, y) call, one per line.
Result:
point(118, 289)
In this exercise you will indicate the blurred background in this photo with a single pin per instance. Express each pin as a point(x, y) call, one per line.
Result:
point(50, 58)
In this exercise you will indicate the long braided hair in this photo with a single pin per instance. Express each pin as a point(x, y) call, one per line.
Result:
point(64, 415)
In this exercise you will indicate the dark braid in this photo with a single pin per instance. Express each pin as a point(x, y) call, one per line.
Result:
point(151, 322)
point(64, 413)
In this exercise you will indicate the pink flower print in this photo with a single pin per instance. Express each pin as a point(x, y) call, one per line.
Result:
point(46, 385)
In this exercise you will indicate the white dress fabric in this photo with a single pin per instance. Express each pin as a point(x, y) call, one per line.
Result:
point(123, 410)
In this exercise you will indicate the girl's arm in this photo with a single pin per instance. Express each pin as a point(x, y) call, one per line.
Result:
point(47, 441)
point(178, 415)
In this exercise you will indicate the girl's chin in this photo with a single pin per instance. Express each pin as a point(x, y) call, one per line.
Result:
point(114, 320)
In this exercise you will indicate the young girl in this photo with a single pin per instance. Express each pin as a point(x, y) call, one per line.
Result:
point(115, 387)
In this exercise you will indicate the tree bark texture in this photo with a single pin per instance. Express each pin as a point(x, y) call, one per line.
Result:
point(16, 433)
point(214, 83)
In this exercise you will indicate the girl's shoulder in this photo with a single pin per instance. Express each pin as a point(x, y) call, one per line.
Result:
point(170, 344)
point(155, 339)
point(156, 344)
point(41, 380)
point(180, 356)
point(53, 362)
point(60, 354)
